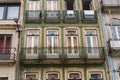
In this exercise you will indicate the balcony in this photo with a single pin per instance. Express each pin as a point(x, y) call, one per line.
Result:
point(52, 16)
point(58, 55)
point(114, 47)
point(70, 16)
point(89, 16)
point(97, 79)
point(74, 79)
point(7, 55)
point(33, 16)
point(108, 3)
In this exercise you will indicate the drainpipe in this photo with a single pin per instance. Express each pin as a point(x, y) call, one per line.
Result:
point(19, 30)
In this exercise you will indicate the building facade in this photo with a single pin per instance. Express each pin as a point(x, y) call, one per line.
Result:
point(111, 23)
point(62, 40)
point(9, 41)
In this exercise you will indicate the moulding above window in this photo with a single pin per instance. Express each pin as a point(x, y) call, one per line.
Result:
point(9, 1)
point(115, 22)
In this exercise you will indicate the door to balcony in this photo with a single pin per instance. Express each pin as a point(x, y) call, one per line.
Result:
point(72, 44)
point(33, 12)
point(52, 44)
point(32, 44)
point(5, 43)
point(92, 44)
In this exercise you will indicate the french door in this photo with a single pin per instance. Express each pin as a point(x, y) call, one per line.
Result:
point(52, 7)
point(92, 44)
point(72, 44)
point(34, 9)
point(32, 44)
point(52, 44)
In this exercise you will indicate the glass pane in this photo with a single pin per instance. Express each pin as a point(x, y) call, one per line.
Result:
point(36, 39)
point(1, 44)
point(74, 76)
point(71, 32)
point(113, 32)
point(119, 32)
point(95, 76)
point(3, 78)
point(7, 45)
point(1, 12)
point(56, 44)
point(13, 12)
point(28, 77)
point(55, 76)
point(69, 45)
point(75, 45)
point(29, 45)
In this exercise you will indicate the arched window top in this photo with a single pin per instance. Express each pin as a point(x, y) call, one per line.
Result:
point(115, 22)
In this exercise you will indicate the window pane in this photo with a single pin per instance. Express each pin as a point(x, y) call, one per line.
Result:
point(3, 78)
point(13, 12)
point(1, 12)
point(1, 43)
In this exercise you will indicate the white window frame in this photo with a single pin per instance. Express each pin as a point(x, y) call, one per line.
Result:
point(32, 55)
point(53, 73)
point(72, 55)
point(31, 73)
point(74, 72)
point(116, 30)
point(95, 49)
point(53, 54)
point(101, 74)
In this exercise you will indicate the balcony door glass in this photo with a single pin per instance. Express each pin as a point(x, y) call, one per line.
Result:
point(1, 12)
point(115, 32)
point(52, 5)
point(52, 75)
point(92, 44)
point(74, 76)
point(96, 76)
point(72, 43)
point(32, 44)
point(52, 44)
point(5, 43)
point(34, 9)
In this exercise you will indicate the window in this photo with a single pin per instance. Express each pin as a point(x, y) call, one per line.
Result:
point(70, 5)
point(92, 43)
point(96, 75)
point(52, 5)
point(34, 4)
point(87, 4)
point(52, 76)
point(9, 11)
point(115, 28)
point(32, 44)
point(72, 43)
point(3, 78)
point(34, 9)
point(115, 32)
point(5, 43)
point(74, 76)
point(31, 76)
point(52, 43)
